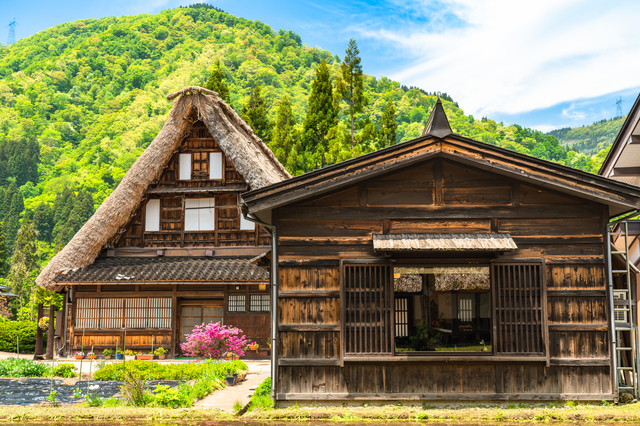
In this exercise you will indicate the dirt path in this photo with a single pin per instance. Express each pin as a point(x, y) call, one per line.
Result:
point(225, 399)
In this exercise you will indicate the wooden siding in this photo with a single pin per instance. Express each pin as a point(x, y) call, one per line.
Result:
point(562, 232)
point(199, 143)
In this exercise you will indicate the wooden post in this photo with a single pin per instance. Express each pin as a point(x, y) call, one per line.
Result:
point(51, 333)
point(174, 321)
point(39, 351)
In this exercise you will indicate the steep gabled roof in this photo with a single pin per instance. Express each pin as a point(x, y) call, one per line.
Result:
point(249, 155)
point(623, 160)
point(619, 196)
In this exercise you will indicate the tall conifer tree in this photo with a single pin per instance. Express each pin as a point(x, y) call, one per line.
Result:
point(4, 254)
point(24, 264)
point(285, 136)
point(217, 84)
point(322, 113)
point(254, 113)
point(388, 126)
point(351, 85)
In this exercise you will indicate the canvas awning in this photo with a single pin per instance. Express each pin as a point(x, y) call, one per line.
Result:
point(443, 242)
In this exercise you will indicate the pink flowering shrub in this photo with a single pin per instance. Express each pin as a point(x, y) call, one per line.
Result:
point(214, 341)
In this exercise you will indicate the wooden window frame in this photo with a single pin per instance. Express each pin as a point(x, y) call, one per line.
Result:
point(424, 356)
point(261, 302)
point(124, 319)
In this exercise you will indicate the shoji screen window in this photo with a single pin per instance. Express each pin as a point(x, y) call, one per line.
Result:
point(152, 216)
point(185, 167)
point(216, 166)
point(199, 214)
point(245, 225)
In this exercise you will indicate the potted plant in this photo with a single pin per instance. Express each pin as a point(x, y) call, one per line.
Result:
point(231, 357)
point(92, 355)
point(254, 346)
point(147, 356)
point(231, 379)
point(79, 355)
point(129, 355)
point(160, 352)
point(107, 353)
point(119, 354)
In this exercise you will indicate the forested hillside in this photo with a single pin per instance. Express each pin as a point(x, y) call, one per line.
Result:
point(79, 102)
point(589, 139)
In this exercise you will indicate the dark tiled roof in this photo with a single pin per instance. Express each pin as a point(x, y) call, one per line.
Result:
point(139, 269)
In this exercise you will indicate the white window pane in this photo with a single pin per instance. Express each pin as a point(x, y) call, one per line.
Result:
point(152, 216)
point(191, 214)
point(207, 214)
point(215, 165)
point(185, 167)
point(245, 225)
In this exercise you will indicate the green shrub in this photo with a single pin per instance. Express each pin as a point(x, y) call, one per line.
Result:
point(262, 396)
point(21, 367)
point(26, 330)
point(264, 388)
point(166, 396)
point(153, 371)
point(65, 370)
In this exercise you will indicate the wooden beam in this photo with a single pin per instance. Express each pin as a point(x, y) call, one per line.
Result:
point(578, 327)
point(308, 262)
point(445, 396)
point(580, 362)
point(443, 358)
point(576, 293)
point(626, 171)
point(105, 294)
point(313, 293)
point(312, 362)
point(309, 327)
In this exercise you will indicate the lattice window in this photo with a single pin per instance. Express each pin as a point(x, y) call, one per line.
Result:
point(113, 313)
point(368, 305)
point(236, 303)
point(520, 300)
point(259, 303)
point(402, 317)
point(200, 165)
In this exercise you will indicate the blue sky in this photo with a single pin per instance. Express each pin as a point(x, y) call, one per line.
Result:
point(543, 64)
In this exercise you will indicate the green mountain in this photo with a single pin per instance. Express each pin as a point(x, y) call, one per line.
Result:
point(80, 101)
point(589, 139)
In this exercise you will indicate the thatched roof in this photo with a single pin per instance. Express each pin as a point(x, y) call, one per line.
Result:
point(249, 155)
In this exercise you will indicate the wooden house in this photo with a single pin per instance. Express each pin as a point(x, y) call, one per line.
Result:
point(169, 249)
point(443, 269)
point(623, 164)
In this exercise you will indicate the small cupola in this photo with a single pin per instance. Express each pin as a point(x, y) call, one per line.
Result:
point(438, 123)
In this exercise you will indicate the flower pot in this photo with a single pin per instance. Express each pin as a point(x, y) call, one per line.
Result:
point(232, 358)
point(253, 347)
point(231, 380)
point(107, 357)
point(119, 356)
point(79, 356)
point(161, 356)
point(145, 357)
point(92, 356)
point(129, 357)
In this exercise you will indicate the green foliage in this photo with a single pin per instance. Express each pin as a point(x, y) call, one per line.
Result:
point(388, 126)
point(11, 330)
point(153, 371)
point(255, 114)
point(65, 370)
point(264, 388)
point(132, 389)
point(217, 84)
point(286, 138)
point(93, 401)
point(24, 265)
point(589, 139)
point(321, 116)
point(52, 397)
point(21, 367)
point(351, 86)
point(425, 338)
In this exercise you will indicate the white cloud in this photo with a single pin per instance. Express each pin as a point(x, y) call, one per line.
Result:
point(515, 56)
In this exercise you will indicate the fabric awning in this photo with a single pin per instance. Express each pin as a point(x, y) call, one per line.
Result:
point(443, 242)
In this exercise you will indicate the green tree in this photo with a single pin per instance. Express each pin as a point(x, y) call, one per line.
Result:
point(217, 84)
point(256, 114)
point(351, 86)
point(388, 126)
point(24, 264)
point(4, 254)
point(322, 113)
point(285, 136)
point(43, 221)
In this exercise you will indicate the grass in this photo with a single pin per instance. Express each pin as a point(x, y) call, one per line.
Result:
point(22, 367)
point(560, 412)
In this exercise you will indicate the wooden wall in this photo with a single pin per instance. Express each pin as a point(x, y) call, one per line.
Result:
point(440, 196)
point(171, 190)
point(255, 325)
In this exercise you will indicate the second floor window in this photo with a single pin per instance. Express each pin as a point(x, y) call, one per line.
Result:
point(199, 214)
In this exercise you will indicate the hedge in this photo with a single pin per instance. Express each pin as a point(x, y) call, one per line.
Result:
point(26, 330)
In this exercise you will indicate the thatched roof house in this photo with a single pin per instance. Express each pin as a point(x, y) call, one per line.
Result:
point(250, 156)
